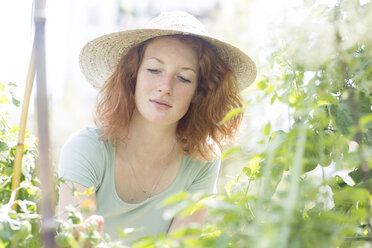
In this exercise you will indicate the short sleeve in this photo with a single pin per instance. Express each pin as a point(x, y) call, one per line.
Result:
point(206, 178)
point(82, 159)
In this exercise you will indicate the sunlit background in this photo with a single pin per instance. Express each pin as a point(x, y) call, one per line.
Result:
point(256, 26)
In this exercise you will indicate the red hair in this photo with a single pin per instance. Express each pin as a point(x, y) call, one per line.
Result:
point(217, 93)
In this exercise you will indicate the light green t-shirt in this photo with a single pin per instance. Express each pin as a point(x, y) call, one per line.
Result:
point(90, 161)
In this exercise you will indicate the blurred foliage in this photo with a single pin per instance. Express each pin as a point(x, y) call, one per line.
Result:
point(21, 228)
point(17, 229)
point(321, 71)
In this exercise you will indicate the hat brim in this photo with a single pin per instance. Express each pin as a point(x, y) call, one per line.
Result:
point(99, 57)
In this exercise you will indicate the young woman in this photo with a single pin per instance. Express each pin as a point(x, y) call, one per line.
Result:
point(164, 90)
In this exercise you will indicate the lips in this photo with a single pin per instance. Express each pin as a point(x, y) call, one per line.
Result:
point(160, 103)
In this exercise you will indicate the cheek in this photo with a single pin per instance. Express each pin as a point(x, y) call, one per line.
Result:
point(188, 97)
point(194, 93)
point(141, 85)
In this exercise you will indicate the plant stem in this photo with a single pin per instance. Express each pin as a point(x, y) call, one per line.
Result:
point(267, 173)
point(296, 170)
point(353, 239)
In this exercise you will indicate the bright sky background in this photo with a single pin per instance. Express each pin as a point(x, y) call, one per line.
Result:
point(16, 30)
point(15, 41)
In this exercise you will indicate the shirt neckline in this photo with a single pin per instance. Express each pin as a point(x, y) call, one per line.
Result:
point(121, 201)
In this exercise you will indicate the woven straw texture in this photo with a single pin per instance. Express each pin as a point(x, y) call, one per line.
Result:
point(99, 57)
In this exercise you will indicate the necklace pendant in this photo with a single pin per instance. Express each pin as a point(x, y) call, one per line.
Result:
point(146, 194)
point(156, 183)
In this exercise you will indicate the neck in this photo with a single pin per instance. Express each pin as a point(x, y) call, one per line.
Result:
point(148, 144)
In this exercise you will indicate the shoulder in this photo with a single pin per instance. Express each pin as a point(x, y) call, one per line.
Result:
point(90, 132)
point(201, 175)
point(88, 136)
point(215, 155)
point(86, 144)
point(200, 167)
point(84, 157)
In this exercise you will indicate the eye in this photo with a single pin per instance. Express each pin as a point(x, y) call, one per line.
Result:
point(182, 79)
point(154, 71)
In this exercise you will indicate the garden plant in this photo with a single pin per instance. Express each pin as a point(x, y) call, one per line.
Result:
point(307, 184)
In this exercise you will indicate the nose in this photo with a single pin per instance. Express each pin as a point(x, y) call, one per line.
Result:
point(165, 85)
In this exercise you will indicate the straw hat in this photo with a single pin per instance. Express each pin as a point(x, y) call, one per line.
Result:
point(99, 57)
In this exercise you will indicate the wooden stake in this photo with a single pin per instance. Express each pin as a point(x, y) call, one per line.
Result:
point(22, 125)
point(48, 225)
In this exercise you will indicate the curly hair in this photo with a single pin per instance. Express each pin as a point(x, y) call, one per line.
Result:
point(216, 94)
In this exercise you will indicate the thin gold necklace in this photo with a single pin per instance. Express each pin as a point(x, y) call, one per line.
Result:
point(149, 194)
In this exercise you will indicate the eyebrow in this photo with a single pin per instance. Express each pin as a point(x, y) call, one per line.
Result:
point(162, 62)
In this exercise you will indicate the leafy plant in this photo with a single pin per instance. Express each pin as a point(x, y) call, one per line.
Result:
point(310, 184)
point(306, 185)
point(17, 228)
point(326, 88)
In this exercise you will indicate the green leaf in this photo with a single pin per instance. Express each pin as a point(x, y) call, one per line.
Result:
point(273, 98)
point(15, 102)
point(228, 187)
point(363, 104)
point(12, 84)
point(267, 129)
point(3, 146)
point(326, 98)
point(364, 120)
point(176, 198)
point(183, 232)
point(212, 235)
point(367, 136)
point(351, 195)
point(2, 244)
point(63, 239)
point(4, 99)
point(358, 176)
point(337, 182)
point(254, 164)
point(343, 118)
point(230, 151)
point(261, 85)
point(2, 87)
point(248, 102)
point(144, 242)
point(247, 171)
point(231, 114)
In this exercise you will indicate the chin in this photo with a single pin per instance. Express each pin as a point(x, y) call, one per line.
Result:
point(163, 122)
point(157, 120)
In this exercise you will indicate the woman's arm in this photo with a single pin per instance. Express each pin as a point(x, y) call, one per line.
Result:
point(66, 197)
point(195, 218)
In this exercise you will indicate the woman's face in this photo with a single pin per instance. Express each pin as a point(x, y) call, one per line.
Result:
point(166, 81)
